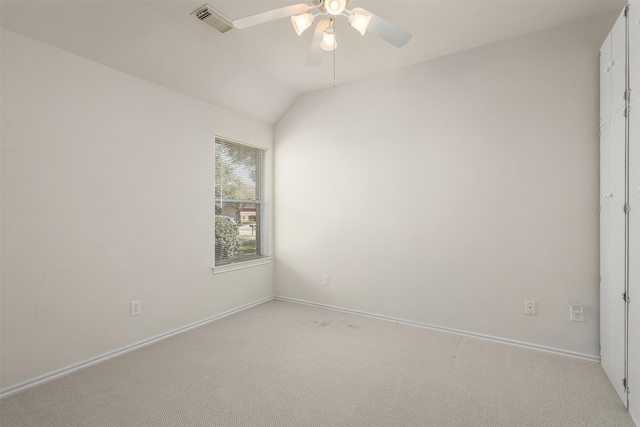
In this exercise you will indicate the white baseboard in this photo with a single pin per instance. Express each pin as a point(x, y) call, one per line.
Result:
point(531, 346)
point(85, 363)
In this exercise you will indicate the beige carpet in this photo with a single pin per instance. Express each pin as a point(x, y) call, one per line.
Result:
point(286, 364)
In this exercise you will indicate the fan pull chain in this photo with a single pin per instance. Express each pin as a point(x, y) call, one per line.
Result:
point(334, 68)
point(334, 58)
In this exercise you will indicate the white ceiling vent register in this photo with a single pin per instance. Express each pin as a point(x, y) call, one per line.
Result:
point(213, 18)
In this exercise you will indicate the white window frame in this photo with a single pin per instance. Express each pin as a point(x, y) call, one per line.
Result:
point(265, 223)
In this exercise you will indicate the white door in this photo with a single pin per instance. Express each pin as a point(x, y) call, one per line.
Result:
point(634, 48)
point(612, 252)
point(634, 260)
point(605, 81)
point(634, 216)
point(618, 64)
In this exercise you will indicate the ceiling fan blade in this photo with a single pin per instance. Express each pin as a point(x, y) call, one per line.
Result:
point(271, 15)
point(386, 30)
point(316, 52)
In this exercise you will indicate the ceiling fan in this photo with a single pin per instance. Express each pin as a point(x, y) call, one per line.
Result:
point(323, 14)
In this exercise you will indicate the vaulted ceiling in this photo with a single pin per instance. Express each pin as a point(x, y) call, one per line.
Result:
point(260, 71)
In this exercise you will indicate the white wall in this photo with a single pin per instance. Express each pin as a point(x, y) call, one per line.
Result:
point(449, 192)
point(107, 197)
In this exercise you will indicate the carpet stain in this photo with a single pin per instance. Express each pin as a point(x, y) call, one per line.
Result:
point(455, 356)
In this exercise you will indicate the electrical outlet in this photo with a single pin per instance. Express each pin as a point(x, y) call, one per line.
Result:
point(136, 307)
point(326, 280)
point(576, 312)
point(530, 307)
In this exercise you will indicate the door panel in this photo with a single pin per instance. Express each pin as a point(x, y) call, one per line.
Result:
point(605, 232)
point(618, 61)
point(634, 259)
point(605, 81)
point(618, 65)
point(612, 252)
point(634, 49)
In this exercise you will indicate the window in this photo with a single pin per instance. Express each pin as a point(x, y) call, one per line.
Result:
point(239, 205)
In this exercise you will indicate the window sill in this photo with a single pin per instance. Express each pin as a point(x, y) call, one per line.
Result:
point(241, 265)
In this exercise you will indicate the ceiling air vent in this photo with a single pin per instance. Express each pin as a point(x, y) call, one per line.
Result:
point(213, 18)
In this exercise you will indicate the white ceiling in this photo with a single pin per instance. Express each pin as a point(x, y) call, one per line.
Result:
point(260, 71)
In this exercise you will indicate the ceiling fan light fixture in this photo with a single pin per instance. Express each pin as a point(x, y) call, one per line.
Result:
point(359, 21)
point(302, 22)
point(303, 16)
point(335, 7)
point(328, 42)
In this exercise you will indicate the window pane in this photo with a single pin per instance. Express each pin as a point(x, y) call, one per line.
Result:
point(237, 231)
point(238, 170)
point(238, 204)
